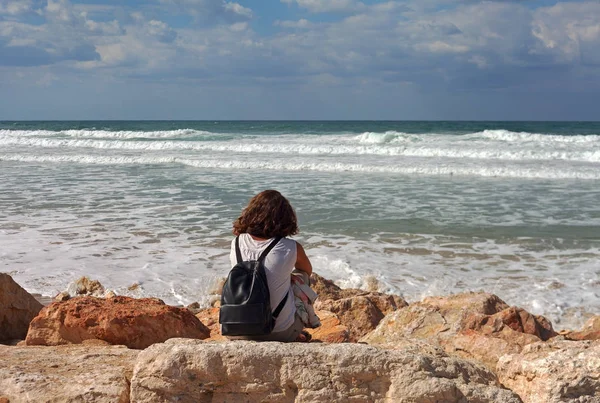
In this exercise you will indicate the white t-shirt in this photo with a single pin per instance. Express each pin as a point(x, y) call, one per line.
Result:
point(279, 265)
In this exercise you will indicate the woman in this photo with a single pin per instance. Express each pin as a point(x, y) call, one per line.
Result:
point(267, 216)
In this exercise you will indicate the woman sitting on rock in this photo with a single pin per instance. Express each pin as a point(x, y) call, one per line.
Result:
point(267, 216)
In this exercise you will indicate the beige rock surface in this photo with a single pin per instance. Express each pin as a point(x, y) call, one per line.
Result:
point(552, 372)
point(135, 323)
point(477, 326)
point(84, 286)
point(241, 371)
point(17, 309)
point(66, 374)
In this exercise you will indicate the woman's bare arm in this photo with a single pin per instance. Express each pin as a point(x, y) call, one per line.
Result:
point(302, 261)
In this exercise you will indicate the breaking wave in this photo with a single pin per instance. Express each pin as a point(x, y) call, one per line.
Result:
point(533, 172)
point(280, 146)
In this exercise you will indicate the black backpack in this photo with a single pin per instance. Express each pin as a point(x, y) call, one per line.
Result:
point(245, 300)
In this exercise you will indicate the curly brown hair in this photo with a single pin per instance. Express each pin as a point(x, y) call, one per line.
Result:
point(268, 214)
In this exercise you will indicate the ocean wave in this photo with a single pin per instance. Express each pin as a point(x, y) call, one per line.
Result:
point(386, 137)
point(541, 172)
point(107, 134)
point(431, 150)
point(508, 136)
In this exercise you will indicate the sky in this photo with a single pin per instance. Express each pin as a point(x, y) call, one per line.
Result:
point(299, 59)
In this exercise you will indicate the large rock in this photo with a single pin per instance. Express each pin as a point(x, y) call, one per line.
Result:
point(557, 371)
point(478, 326)
point(590, 330)
point(17, 309)
point(66, 374)
point(250, 372)
point(135, 323)
point(331, 329)
point(360, 311)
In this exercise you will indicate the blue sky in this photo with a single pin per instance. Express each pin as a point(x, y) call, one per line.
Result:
point(300, 59)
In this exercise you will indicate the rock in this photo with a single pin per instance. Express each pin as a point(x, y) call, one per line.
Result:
point(210, 318)
point(514, 318)
point(557, 371)
point(62, 296)
point(331, 329)
point(85, 287)
point(17, 309)
point(360, 311)
point(196, 371)
point(590, 330)
point(326, 289)
point(478, 326)
point(135, 323)
point(110, 294)
point(194, 308)
point(66, 374)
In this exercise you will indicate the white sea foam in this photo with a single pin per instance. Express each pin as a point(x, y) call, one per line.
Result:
point(169, 229)
point(387, 137)
point(516, 137)
point(106, 134)
point(536, 171)
point(277, 145)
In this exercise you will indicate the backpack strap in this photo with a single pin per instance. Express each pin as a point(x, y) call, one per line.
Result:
point(277, 310)
point(261, 258)
point(263, 255)
point(238, 254)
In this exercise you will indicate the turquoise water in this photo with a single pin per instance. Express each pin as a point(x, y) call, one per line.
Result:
point(422, 207)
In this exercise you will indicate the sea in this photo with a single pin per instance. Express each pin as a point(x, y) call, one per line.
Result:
point(414, 208)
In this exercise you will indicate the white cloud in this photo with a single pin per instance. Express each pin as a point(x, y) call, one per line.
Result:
point(442, 47)
point(16, 7)
point(160, 30)
point(400, 42)
point(301, 24)
point(479, 61)
point(569, 32)
point(325, 6)
point(238, 9)
point(209, 11)
point(239, 26)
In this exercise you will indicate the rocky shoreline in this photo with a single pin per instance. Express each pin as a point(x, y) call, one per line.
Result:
point(372, 347)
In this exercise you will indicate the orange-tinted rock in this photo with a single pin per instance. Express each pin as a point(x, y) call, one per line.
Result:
point(360, 314)
point(210, 318)
point(479, 326)
point(360, 311)
point(331, 329)
point(514, 318)
point(590, 330)
point(17, 309)
point(135, 323)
